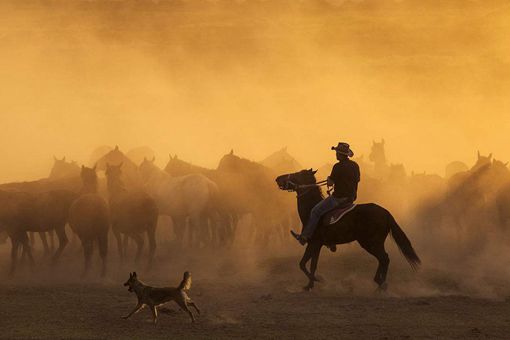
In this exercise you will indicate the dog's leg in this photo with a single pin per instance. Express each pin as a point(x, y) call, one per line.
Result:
point(154, 311)
point(185, 308)
point(192, 304)
point(138, 308)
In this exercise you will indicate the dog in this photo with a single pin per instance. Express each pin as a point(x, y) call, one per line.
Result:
point(154, 297)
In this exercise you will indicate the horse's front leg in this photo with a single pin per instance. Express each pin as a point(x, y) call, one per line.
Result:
point(315, 252)
point(304, 260)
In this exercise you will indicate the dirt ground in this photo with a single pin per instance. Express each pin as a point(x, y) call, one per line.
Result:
point(244, 294)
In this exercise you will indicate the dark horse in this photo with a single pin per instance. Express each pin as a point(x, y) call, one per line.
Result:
point(369, 224)
point(89, 219)
point(132, 213)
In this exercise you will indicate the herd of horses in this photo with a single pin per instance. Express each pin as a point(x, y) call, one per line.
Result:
point(205, 205)
point(117, 197)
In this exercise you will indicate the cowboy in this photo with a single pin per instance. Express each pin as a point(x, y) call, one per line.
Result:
point(344, 178)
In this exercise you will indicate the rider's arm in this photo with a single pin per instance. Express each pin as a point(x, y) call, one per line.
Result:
point(330, 182)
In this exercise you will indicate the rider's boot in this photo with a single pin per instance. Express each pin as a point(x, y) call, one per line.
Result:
point(301, 239)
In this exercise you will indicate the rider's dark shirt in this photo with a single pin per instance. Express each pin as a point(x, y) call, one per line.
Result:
point(345, 175)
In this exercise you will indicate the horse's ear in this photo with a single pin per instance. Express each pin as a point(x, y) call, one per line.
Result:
point(145, 159)
point(95, 166)
point(478, 154)
point(153, 159)
point(55, 158)
point(382, 141)
point(231, 151)
point(170, 156)
point(64, 159)
point(490, 156)
point(314, 172)
point(82, 166)
point(175, 157)
point(116, 148)
point(134, 274)
point(505, 164)
point(130, 275)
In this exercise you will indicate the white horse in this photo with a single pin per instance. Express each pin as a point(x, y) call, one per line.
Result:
point(192, 196)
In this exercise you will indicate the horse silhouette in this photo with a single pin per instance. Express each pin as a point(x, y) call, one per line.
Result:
point(133, 213)
point(253, 190)
point(368, 224)
point(35, 212)
point(89, 219)
point(63, 169)
point(184, 197)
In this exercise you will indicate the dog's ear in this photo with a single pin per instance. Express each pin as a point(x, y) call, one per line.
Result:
point(134, 274)
point(130, 275)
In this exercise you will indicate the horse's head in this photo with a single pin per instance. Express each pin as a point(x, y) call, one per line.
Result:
point(377, 153)
point(289, 181)
point(89, 177)
point(115, 156)
point(113, 173)
point(176, 167)
point(62, 169)
point(230, 162)
point(482, 161)
point(147, 168)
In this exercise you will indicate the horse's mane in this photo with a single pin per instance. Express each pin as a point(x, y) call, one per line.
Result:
point(242, 163)
point(192, 168)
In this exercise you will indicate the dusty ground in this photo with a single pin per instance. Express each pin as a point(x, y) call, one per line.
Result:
point(243, 296)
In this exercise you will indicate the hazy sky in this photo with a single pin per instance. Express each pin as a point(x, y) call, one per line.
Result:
point(198, 78)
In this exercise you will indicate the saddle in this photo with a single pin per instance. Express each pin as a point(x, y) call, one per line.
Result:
point(333, 216)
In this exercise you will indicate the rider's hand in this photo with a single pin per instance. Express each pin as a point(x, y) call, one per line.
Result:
point(330, 182)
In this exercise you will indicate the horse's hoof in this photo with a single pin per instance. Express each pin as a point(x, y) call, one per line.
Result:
point(318, 278)
point(382, 288)
point(307, 288)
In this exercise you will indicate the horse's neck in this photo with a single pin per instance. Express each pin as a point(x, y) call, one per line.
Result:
point(116, 190)
point(306, 202)
point(157, 178)
point(90, 189)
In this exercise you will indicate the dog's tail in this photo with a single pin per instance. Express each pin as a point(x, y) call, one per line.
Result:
point(186, 281)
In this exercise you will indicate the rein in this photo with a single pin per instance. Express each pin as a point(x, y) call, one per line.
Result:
point(294, 187)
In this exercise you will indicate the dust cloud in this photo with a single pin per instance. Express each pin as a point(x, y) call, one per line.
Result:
point(198, 78)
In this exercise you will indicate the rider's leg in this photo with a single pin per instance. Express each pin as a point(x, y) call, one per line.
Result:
point(320, 209)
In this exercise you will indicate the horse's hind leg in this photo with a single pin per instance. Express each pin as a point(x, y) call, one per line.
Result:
point(44, 241)
point(87, 253)
point(103, 251)
point(380, 254)
point(14, 254)
point(52, 240)
point(120, 248)
point(151, 235)
point(139, 245)
point(62, 243)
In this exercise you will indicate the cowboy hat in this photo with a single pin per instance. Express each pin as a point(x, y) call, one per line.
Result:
point(344, 149)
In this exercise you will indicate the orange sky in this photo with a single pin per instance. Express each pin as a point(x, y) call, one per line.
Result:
point(198, 78)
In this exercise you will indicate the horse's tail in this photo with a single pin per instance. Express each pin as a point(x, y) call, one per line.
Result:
point(403, 243)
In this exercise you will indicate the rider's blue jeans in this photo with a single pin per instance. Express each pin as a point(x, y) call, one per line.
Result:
point(320, 209)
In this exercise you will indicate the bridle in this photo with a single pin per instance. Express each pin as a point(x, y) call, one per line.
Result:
point(293, 187)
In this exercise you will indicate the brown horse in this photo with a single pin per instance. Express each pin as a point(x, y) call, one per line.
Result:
point(252, 190)
point(89, 218)
point(132, 213)
point(38, 212)
point(369, 224)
